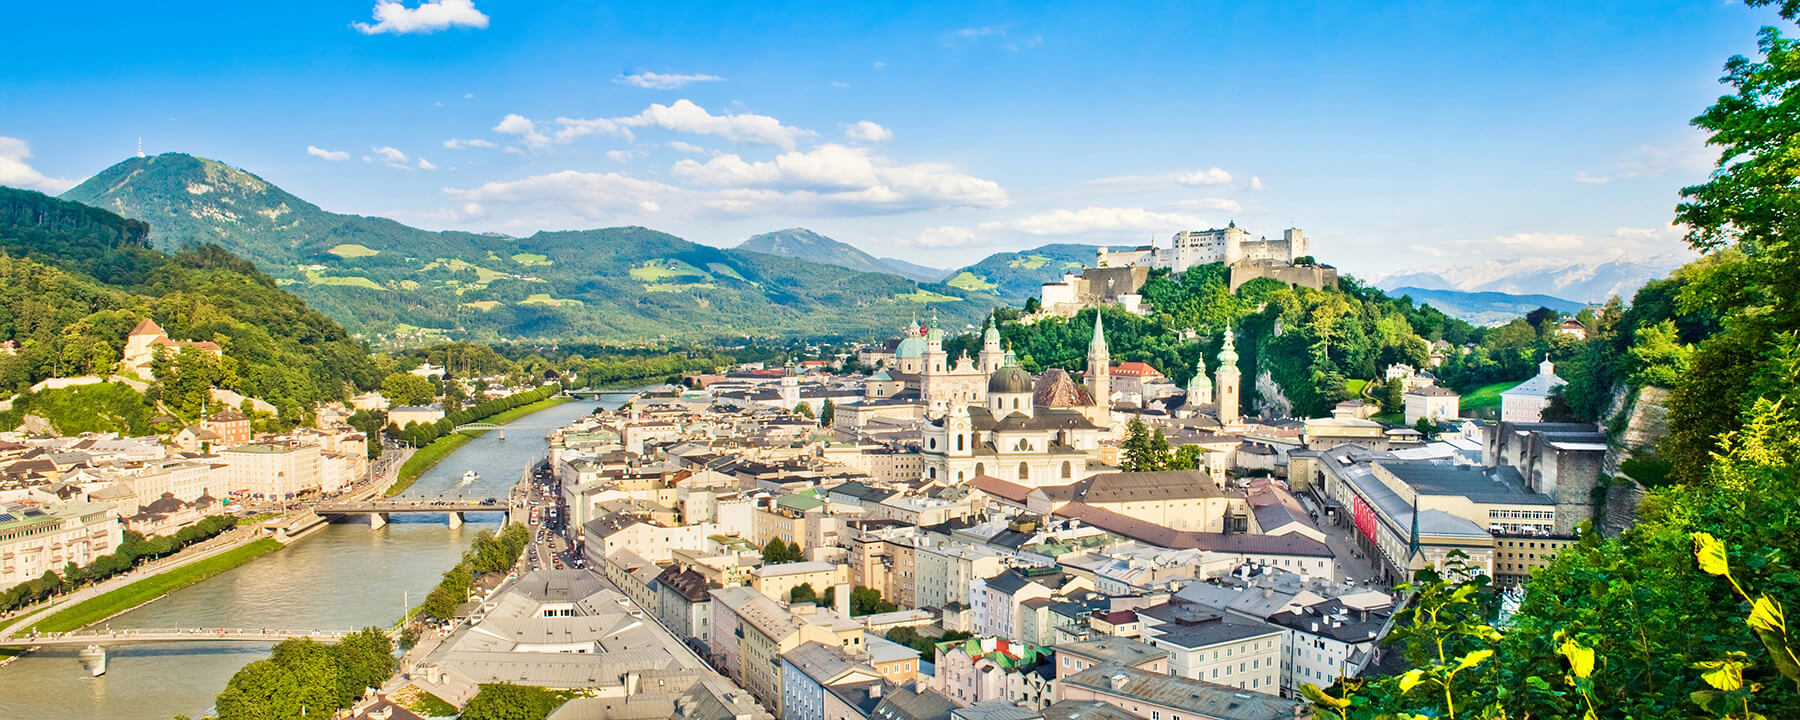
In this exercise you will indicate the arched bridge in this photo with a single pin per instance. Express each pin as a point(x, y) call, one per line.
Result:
point(156, 635)
point(481, 427)
point(379, 511)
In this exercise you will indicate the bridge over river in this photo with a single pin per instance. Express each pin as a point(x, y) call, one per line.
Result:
point(93, 644)
point(379, 511)
point(156, 635)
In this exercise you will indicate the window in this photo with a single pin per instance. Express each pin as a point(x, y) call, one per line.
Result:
point(1024, 471)
point(959, 443)
point(1068, 470)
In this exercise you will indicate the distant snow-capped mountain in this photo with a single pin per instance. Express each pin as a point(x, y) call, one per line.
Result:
point(1589, 281)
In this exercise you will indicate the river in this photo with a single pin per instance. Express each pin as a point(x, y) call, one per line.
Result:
point(344, 576)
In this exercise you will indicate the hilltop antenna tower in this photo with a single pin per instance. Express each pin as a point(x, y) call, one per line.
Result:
point(140, 146)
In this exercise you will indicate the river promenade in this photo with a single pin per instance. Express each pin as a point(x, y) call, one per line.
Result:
point(383, 472)
point(344, 576)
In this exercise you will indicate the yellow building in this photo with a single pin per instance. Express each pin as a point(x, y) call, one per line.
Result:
point(1178, 499)
point(777, 582)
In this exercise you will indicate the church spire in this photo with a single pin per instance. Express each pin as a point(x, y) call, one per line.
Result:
point(1412, 542)
point(1099, 340)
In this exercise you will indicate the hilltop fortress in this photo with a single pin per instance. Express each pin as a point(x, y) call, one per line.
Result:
point(1118, 275)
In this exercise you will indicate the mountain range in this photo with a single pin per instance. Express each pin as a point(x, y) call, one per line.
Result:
point(389, 281)
point(1578, 281)
point(1485, 308)
point(804, 244)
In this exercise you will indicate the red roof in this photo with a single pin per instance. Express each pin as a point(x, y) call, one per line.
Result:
point(1000, 488)
point(1135, 369)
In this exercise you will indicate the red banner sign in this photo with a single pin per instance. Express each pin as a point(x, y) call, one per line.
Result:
point(1365, 520)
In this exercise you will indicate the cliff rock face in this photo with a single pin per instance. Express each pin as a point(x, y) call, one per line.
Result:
point(1642, 421)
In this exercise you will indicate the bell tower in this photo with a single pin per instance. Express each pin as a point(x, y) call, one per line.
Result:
point(1227, 381)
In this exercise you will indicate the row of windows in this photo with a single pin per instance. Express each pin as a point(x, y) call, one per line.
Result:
point(1523, 514)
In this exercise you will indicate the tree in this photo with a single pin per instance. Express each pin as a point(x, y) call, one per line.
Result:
point(867, 601)
point(804, 409)
point(803, 593)
point(1393, 398)
point(1032, 305)
point(407, 389)
point(1141, 451)
point(827, 413)
point(1658, 358)
point(778, 551)
point(1426, 426)
point(505, 701)
point(1187, 457)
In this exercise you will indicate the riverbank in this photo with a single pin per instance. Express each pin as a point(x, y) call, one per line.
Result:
point(430, 455)
point(96, 609)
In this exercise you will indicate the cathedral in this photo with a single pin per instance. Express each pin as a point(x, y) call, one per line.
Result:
point(1031, 432)
point(921, 366)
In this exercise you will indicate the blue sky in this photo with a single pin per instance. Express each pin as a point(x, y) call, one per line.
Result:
point(1397, 135)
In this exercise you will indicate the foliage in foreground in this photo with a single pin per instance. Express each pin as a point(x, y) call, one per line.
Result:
point(505, 701)
point(305, 678)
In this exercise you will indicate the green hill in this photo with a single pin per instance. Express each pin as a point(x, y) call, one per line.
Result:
point(74, 280)
point(1018, 275)
point(804, 244)
point(390, 281)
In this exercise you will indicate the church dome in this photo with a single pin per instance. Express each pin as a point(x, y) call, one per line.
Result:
point(912, 347)
point(1010, 379)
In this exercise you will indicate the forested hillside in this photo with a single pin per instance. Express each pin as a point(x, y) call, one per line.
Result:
point(624, 284)
point(74, 280)
point(1311, 344)
point(1022, 274)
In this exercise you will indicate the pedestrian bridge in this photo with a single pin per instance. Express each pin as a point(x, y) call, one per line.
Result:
point(162, 635)
point(378, 511)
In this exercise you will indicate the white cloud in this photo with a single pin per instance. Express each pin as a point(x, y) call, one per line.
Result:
point(623, 155)
point(15, 172)
point(1199, 177)
point(879, 64)
point(975, 32)
point(1209, 176)
point(850, 177)
point(594, 196)
point(832, 180)
point(1063, 221)
point(426, 164)
point(573, 128)
point(1218, 204)
point(1687, 157)
point(1536, 241)
point(523, 128)
point(1256, 183)
point(865, 131)
point(685, 116)
point(388, 156)
point(944, 236)
point(1564, 246)
point(332, 155)
point(429, 17)
point(686, 147)
point(460, 143)
point(660, 81)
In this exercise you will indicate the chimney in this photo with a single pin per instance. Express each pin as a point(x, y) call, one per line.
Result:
point(841, 599)
point(631, 684)
point(875, 691)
